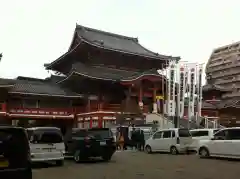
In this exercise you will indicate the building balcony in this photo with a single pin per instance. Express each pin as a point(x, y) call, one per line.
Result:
point(231, 95)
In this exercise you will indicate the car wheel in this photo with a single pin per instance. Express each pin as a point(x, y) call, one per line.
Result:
point(148, 149)
point(203, 152)
point(60, 162)
point(173, 150)
point(76, 156)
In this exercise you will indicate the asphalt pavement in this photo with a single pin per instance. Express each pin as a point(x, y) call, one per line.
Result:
point(139, 165)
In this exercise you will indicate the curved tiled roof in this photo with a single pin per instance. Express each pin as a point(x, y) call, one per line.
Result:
point(6, 82)
point(116, 42)
point(33, 86)
point(110, 74)
point(112, 42)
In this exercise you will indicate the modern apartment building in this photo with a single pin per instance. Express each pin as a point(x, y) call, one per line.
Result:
point(223, 72)
point(223, 69)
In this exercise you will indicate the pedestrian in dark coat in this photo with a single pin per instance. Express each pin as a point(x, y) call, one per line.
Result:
point(142, 140)
point(133, 139)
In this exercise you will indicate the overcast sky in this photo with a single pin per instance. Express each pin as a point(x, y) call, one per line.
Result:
point(36, 32)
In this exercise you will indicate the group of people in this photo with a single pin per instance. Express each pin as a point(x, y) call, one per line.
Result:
point(136, 141)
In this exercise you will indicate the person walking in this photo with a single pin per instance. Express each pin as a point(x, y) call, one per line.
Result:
point(142, 140)
point(133, 139)
point(121, 141)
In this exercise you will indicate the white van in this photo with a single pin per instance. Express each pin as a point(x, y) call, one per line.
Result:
point(200, 134)
point(46, 144)
point(225, 143)
point(173, 140)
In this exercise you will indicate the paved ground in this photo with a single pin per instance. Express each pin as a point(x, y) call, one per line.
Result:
point(136, 165)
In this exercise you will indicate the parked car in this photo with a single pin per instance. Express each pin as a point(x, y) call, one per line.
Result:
point(173, 140)
point(81, 144)
point(14, 153)
point(225, 143)
point(200, 134)
point(46, 145)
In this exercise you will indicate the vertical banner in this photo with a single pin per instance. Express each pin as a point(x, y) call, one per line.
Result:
point(181, 91)
point(192, 88)
point(186, 85)
point(166, 100)
point(171, 89)
point(199, 92)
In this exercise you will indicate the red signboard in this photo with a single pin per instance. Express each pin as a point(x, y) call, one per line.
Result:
point(40, 112)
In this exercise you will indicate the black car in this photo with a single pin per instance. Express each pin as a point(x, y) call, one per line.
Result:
point(81, 144)
point(14, 153)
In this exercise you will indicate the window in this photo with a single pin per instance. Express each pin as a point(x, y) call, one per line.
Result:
point(221, 135)
point(79, 133)
point(50, 137)
point(173, 134)
point(157, 135)
point(199, 133)
point(167, 134)
point(234, 134)
point(184, 133)
point(100, 133)
point(215, 130)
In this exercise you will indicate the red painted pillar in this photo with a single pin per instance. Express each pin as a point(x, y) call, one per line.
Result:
point(100, 119)
point(90, 123)
point(4, 107)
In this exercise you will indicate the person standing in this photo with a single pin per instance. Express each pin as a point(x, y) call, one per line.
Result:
point(142, 140)
point(121, 141)
point(133, 139)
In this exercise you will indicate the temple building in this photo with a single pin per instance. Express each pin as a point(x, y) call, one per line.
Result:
point(223, 84)
point(101, 77)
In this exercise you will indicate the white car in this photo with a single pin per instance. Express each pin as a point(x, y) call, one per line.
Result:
point(46, 144)
point(200, 134)
point(173, 140)
point(225, 143)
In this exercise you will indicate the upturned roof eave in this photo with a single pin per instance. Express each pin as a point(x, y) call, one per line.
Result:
point(128, 79)
point(165, 58)
point(49, 66)
point(72, 73)
point(45, 94)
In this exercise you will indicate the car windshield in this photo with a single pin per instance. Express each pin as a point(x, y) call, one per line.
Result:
point(14, 148)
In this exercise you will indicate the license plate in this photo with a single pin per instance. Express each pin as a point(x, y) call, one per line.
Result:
point(103, 143)
point(4, 163)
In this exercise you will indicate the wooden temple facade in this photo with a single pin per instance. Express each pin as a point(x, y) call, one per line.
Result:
point(101, 78)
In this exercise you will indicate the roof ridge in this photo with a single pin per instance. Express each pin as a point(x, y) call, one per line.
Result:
point(107, 33)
